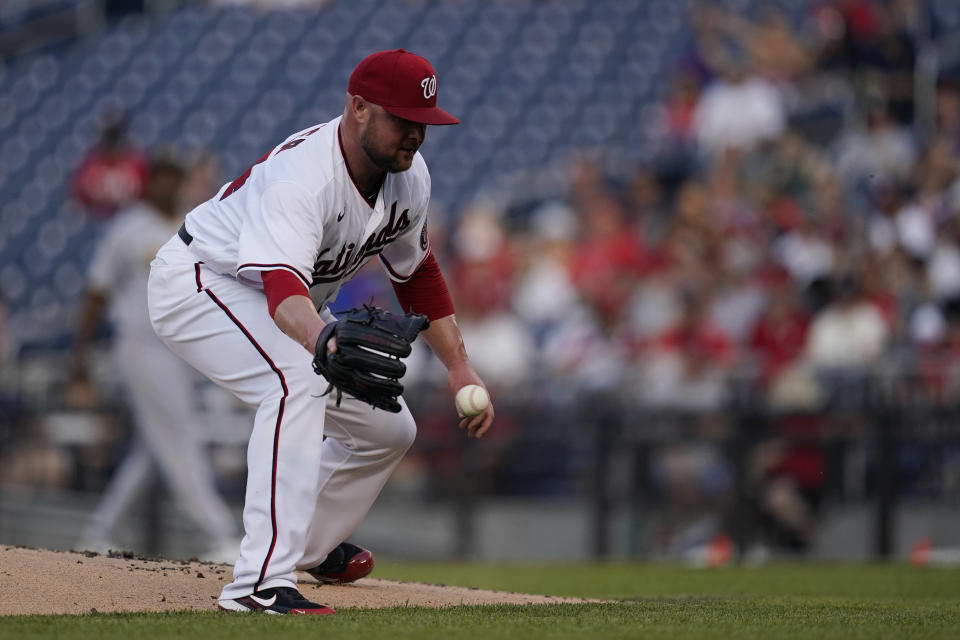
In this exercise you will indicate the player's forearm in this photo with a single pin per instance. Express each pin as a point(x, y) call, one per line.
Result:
point(297, 318)
point(444, 338)
point(445, 341)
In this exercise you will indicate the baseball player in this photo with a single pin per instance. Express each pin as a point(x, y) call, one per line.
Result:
point(159, 385)
point(241, 293)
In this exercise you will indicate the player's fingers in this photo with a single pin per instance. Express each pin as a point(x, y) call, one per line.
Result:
point(480, 424)
point(484, 424)
point(470, 424)
point(332, 345)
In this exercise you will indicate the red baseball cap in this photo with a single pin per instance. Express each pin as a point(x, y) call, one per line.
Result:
point(401, 82)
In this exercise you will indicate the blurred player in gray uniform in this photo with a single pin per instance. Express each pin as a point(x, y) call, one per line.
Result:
point(158, 384)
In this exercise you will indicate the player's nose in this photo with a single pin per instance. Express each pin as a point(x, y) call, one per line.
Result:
point(417, 131)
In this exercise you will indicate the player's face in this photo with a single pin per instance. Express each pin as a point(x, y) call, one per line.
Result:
point(389, 141)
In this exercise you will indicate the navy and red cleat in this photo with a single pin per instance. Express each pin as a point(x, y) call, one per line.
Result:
point(280, 600)
point(346, 563)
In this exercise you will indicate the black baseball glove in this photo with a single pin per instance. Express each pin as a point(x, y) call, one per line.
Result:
point(366, 364)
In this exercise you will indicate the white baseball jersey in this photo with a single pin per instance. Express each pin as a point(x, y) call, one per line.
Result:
point(299, 209)
point(121, 266)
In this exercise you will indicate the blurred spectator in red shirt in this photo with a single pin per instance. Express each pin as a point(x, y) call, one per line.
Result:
point(678, 109)
point(112, 174)
point(609, 258)
point(484, 262)
point(695, 331)
point(938, 348)
point(688, 364)
point(779, 336)
point(845, 31)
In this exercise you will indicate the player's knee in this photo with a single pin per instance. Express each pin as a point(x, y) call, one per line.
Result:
point(399, 432)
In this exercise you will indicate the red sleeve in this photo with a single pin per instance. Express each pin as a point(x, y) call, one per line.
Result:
point(425, 291)
point(279, 285)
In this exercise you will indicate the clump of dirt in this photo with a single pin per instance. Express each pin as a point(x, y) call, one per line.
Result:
point(38, 581)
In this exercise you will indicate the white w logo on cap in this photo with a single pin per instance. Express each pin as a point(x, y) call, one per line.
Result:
point(429, 87)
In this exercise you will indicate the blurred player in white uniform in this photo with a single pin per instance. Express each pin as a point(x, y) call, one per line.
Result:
point(160, 387)
point(241, 293)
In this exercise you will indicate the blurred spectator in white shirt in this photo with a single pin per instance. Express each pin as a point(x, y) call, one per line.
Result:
point(738, 110)
point(739, 297)
point(887, 199)
point(916, 230)
point(849, 333)
point(584, 350)
point(805, 252)
point(545, 293)
point(880, 151)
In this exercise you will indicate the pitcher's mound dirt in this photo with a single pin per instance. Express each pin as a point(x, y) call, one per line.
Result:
point(41, 581)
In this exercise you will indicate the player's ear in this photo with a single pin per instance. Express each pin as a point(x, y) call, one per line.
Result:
point(359, 108)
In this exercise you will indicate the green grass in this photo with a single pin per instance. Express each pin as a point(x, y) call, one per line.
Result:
point(633, 580)
point(801, 601)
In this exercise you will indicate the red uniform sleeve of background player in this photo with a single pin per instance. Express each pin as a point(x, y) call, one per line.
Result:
point(279, 285)
point(425, 291)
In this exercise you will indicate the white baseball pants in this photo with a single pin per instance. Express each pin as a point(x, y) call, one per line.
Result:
point(305, 494)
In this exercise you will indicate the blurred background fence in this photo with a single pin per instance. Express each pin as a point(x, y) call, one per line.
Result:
point(706, 254)
point(568, 474)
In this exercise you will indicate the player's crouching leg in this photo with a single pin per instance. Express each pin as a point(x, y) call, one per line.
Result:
point(363, 447)
point(368, 432)
point(394, 432)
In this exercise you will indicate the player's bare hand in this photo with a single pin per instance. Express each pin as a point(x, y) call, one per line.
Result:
point(460, 376)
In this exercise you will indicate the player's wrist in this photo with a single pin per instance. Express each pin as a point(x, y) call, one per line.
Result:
point(319, 338)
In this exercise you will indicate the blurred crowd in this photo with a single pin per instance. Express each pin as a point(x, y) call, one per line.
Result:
point(798, 227)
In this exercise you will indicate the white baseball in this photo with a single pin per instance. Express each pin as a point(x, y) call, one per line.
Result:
point(472, 400)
